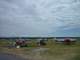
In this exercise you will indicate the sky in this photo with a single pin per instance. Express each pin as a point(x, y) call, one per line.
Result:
point(39, 18)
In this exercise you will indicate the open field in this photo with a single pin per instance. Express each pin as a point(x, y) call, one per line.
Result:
point(51, 51)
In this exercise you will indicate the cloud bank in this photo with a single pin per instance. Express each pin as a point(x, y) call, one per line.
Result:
point(39, 18)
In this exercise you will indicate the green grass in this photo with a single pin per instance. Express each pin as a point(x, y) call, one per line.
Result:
point(54, 51)
point(61, 51)
point(4, 42)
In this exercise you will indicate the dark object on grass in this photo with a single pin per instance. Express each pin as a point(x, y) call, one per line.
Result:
point(42, 43)
point(67, 41)
point(21, 43)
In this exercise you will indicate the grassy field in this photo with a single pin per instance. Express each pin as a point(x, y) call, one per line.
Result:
point(51, 51)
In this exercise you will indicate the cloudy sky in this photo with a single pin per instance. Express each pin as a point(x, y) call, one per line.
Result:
point(39, 18)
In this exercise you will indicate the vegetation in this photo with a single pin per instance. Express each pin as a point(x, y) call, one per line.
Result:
point(51, 51)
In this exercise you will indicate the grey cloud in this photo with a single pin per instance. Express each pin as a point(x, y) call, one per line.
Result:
point(38, 17)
